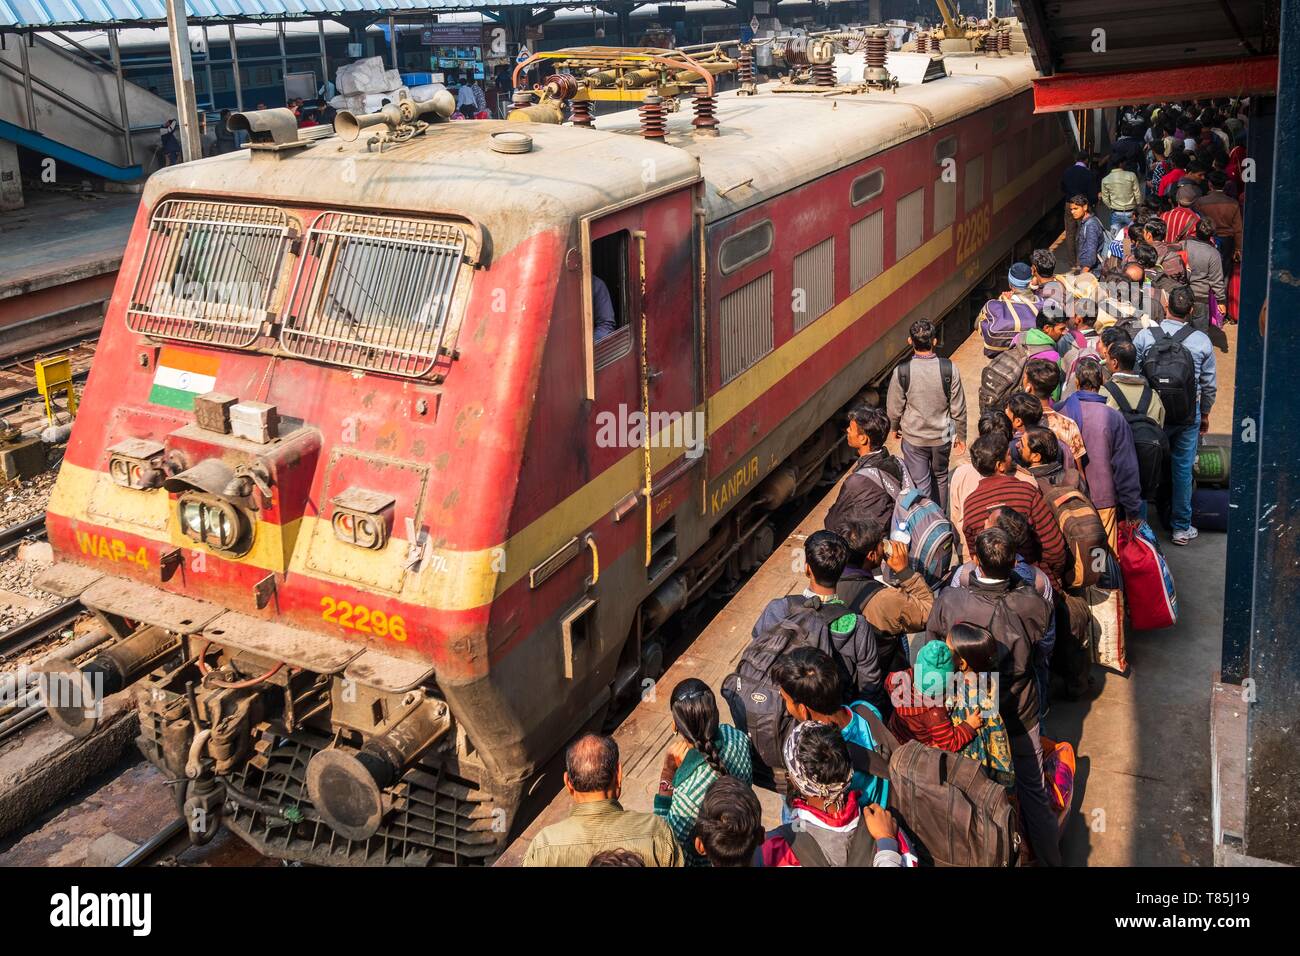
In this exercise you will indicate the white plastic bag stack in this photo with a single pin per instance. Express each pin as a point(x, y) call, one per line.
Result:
point(365, 76)
point(425, 91)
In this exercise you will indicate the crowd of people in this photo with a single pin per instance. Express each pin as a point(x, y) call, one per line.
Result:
point(943, 612)
point(1167, 201)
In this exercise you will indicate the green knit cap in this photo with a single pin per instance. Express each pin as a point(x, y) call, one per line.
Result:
point(934, 662)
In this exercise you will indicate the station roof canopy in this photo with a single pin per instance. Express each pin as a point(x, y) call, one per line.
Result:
point(83, 14)
point(1096, 53)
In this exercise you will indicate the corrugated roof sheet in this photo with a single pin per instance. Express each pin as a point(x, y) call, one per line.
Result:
point(1112, 36)
point(73, 13)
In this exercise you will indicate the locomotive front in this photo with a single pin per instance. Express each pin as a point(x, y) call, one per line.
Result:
point(265, 502)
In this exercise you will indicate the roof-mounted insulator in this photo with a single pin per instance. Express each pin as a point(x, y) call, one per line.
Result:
point(580, 114)
point(705, 123)
point(1004, 39)
point(652, 117)
point(745, 71)
point(877, 49)
point(922, 42)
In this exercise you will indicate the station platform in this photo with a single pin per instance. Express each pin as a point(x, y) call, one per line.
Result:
point(1142, 794)
point(61, 253)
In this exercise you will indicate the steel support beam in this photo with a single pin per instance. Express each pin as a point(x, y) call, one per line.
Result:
point(1273, 753)
point(187, 114)
point(127, 142)
point(234, 67)
point(29, 101)
point(324, 57)
point(1072, 91)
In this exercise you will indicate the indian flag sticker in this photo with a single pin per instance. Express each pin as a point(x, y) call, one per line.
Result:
point(181, 377)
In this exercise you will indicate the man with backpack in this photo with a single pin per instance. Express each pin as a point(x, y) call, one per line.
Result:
point(1005, 374)
point(991, 456)
point(877, 479)
point(820, 619)
point(1114, 481)
point(999, 600)
point(1132, 396)
point(1178, 363)
point(892, 609)
point(1081, 526)
point(927, 410)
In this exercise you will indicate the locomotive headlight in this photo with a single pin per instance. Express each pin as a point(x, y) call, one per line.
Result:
point(136, 463)
point(363, 518)
point(213, 521)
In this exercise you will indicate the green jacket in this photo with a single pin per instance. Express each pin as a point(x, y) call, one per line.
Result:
point(1038, 341)
point(604, 825)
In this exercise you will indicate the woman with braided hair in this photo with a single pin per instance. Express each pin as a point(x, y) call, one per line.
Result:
point(704, 751)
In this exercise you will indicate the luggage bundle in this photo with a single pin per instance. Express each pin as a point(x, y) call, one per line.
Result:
point(1148, 582)
point(1001, 320)
point(1210, 475)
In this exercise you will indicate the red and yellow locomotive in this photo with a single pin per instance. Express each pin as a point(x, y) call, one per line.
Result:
point(378, 518)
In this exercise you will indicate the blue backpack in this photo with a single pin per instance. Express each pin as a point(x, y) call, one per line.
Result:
point(932, 538)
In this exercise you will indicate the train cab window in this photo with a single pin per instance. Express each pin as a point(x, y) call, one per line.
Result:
point(610, 297)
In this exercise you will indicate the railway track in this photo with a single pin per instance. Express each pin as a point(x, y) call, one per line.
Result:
point(15, 714)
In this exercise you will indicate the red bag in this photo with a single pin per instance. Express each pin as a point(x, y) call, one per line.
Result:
point(1234, 294)
point(1148, 582)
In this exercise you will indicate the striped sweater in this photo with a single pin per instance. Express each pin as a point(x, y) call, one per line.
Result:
point(999, 489)
point(692, 782)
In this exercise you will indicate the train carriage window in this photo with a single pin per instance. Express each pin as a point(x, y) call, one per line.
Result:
point(611, 297)
point(999, 166)
point(909, 223)
point(866, 249)
point(745, 247)
point(745, 326)
point(814, 283)
point(946, 148)
point(867, 187)
point(973, 183)
point(945, 203)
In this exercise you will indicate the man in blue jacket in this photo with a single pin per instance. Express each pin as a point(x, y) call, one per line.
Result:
point(1089, 236)
point(1114, 481)
point(1184, 435)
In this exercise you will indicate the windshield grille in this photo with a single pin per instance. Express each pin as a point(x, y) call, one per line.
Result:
point(210, 272)
point(374, 292)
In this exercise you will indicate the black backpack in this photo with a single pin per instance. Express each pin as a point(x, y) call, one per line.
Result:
point(754, 699)
point(856, 592)
point(1149, 439)
point(945, 377)
point(1171, 370)
point(1002, 377)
